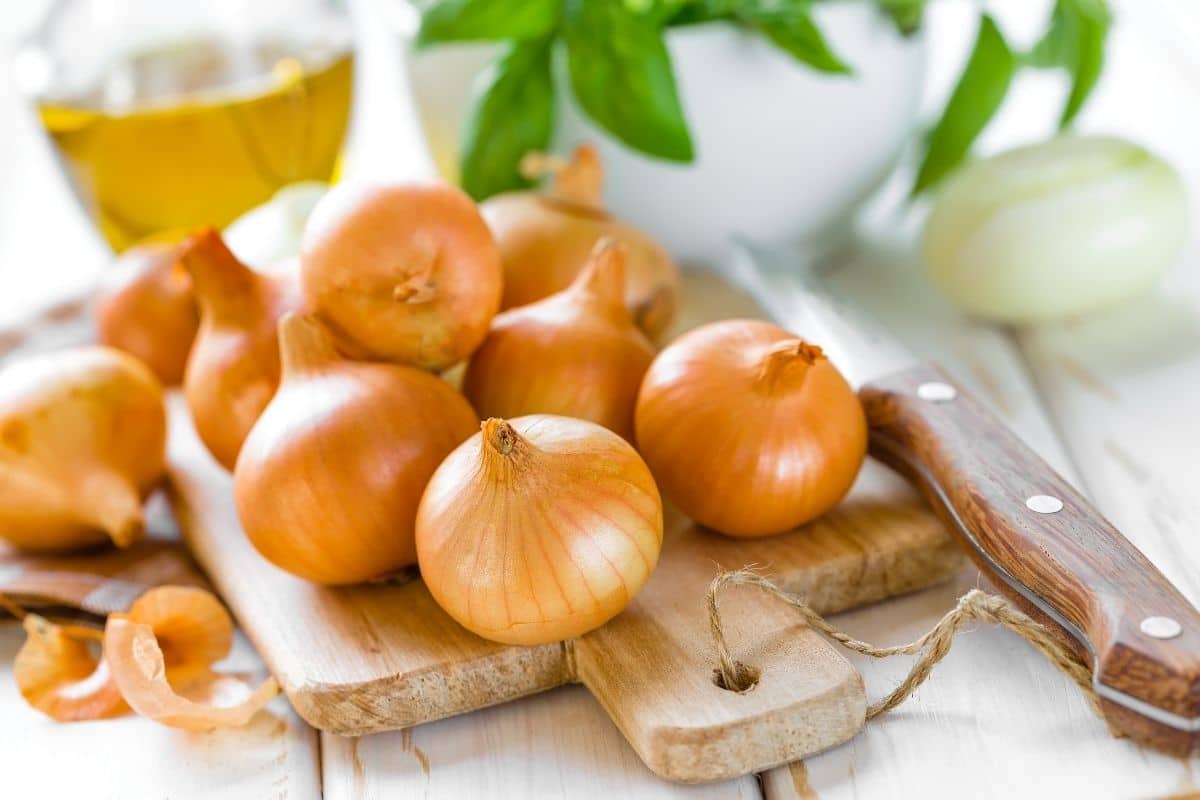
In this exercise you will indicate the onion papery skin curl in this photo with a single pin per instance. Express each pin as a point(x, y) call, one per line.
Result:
point(749, 430)
point(328, 482)
point(57, 673)
point(82, 442)
point(577, 353)
point(405, 273)
point(538, 529)
point(545, 241)
point(145, 307)
point(161, 654)
point(233, 369)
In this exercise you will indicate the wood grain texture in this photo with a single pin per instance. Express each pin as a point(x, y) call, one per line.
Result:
point(371, 658)
point(980, 475)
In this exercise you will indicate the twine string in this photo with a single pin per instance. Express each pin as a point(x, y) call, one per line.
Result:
point(975, 605)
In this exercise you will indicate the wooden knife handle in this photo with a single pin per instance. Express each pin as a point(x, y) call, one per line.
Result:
point(1070, 563)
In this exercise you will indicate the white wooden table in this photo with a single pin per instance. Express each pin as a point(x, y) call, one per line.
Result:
point(1110, 401)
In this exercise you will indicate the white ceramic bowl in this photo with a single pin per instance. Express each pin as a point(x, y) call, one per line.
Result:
point(783, 153)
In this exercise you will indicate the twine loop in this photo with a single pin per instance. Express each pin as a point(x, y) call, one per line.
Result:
point(974, 606)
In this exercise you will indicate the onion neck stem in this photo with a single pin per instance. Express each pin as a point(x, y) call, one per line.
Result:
point(417, 285)
point(787, 363)
point(225, 287)
point(503, 447)
point(603, 276)
point(578, 181)
point(112, 504)
point(305, 345)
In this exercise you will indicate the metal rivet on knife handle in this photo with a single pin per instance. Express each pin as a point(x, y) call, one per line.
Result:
point(1044, 504)
point(1161, 627)
point(936, 392)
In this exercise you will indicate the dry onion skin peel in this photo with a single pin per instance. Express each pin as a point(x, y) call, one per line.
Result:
point(82, 442)
point(145, 306)
point(538, 529)
point(328, 482)
point(1056, 229)
point(160, 654)
point(749, 430)
point(406, 273)
point(233, 369)
point(546, 239)
point(577, 353)
point(58, 673)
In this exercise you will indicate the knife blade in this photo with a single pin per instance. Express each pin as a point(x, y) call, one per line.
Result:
point(1039, 539)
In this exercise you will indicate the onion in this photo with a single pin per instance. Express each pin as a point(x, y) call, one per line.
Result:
point(161, 654)
point(82, 442)
point(538, 529)
point(145, 307)
point(749, 430)
point(1057, 229)
point(545, 240)
point(577, 353)
point(405, 273)
point(234, 366)
point(328, 481)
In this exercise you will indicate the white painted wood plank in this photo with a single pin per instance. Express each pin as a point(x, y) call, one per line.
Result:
point(995, 720)
point(556, 744)
point(129, 758)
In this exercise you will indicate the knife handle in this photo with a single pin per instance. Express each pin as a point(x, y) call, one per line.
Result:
point(1041, 540)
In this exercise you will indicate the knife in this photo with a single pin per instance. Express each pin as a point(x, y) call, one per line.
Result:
point(1040, 541)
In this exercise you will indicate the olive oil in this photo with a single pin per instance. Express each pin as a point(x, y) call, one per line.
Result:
point(197, 133)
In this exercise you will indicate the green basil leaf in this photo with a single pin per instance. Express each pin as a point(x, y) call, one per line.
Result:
point(979, 93)
point(621, 75)
point(1074, 41)
point(906, 15)
point(513, 115)
point(490, 20)
point(1055, 48)
point(1086, 67)
point(799, 35)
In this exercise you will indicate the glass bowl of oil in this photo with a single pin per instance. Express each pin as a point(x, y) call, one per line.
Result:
point(166, 115)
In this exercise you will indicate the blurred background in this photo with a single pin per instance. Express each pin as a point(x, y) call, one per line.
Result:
point(124, 119)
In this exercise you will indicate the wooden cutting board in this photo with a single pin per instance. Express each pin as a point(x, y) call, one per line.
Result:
point(370, 658)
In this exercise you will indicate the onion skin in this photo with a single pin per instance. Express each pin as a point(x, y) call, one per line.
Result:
point(145, 307)
point(57, 674)
point(545, 241)
point(405, 273)
point(233, 370)
point(749, 430)
point(538, 529)
point(82, 442)
point(328, 482)
point(577, 353)
point(1056, 229)
point(160, 654)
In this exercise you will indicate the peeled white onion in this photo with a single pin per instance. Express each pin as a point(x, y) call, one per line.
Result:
point(1055, 229)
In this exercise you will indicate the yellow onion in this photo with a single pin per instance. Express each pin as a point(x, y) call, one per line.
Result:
point(577, 353)
point(328, 481)
point(748, 429)
point(538, 529)
point(406, 273)
point(545, 240)
point(145, 307)
point(233, 369)
point(82, 442)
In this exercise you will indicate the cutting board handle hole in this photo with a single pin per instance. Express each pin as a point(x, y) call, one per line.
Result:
point(745, 678)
